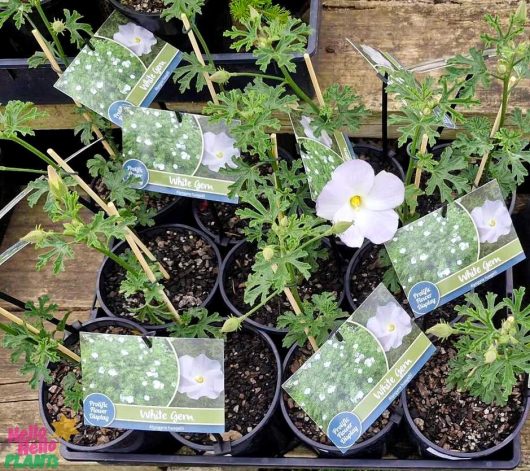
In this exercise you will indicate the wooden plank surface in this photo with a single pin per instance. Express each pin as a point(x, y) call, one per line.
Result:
point(413, 30)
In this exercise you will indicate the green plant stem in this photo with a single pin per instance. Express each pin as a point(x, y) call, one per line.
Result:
point(108, 253)
point(260, 305)
point(26, 170)
point(315, 239)
point(33, 150)
point(297, 90)
point(53, 34)
point(263, 76)
point(413, 147)
point(205, 48)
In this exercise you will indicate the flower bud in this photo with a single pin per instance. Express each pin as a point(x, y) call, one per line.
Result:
point(341, 226)
point(426, 111)
point(501, 68)
point(58, 26)
point(232, 324)
point(491, 354)
point(35, 236)
point(56, 184)
point(268, 252)
point(254, 14)
point(443, 330)
point(221, 76)
point(520, 13)
point(512, 81)
point(284, 221)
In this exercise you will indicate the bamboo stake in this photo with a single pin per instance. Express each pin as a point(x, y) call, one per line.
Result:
point(146, 268)
point(198, 53)
point(287, 291)
point(423, 149)
point(314, 80)
point(486, 155)
point(57, 69)
point(35, 331)
point(104, 206)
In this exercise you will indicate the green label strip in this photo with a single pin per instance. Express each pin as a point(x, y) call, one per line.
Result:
point(188, 182)
point(170, 415)
point(480, 267)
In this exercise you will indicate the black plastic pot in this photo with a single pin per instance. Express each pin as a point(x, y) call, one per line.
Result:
point(227, 263)
point(352, 267)
point(218, 234)
point(119, 248)
point(374, 447)
point(128, 442)
point(378, 154)
point(253, 441)
point(18, 82)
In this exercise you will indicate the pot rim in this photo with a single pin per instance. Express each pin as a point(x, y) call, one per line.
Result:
point(123, 244)
point(266, 418)
point(467, 455)
point(379, 150)
point(43, 387)
point(394, 419)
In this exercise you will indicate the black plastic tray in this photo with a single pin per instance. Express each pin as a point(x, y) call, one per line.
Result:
point(19, 82)
point(510, 460)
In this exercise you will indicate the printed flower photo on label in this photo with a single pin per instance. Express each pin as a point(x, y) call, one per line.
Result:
point(136, 38)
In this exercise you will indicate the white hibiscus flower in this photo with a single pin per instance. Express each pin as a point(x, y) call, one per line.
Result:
point(139, 40)
point(390, 325)
point(324, 138)
point(219, 150)
point(200, 377)
point(355, 194)
point(492, 220)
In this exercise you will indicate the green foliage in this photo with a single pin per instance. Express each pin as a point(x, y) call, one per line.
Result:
point(318, 319)
point(175, 9)
point(273, 40)
point(241, 9)
point(16, 10)
point(34, 350)
point(197, 323)
point(73, 392)
point(75, 27)
point(17, 117)
point(251, 114)
point(85, 128)
point(191, 70)
point(490, 358)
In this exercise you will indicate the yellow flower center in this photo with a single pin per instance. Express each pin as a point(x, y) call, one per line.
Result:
point(137, 39)
point(220, 154)
point(355, 201)
point(200, 379)
point(391, 327)
point(492, 223)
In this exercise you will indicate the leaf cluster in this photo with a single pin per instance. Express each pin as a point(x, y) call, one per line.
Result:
point(17, 118)
point(176, 8)
point(318, 319)
point(197, 323)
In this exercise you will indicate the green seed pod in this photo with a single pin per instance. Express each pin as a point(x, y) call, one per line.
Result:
point(341, 226)
point(268, 252)
point(232, 324)
point(491, 354)
point(58, 26)
point(35, 236)
point(442, 330)
point(221, 76)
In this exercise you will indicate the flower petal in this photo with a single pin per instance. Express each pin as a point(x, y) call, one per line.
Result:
point(377, 226)
point(355, 177)
point(388, 192)
point(352, 237)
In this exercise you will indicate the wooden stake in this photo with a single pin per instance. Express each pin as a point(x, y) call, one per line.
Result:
point(105, 207)
point(423, 149)
point(486, 155)
point(57, 69)
point(198, 53)
point(35, 331)
point(145, 266)
point(314, 80)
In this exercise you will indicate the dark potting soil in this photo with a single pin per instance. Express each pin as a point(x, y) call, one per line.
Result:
point(190, 261)
point(304, 423)
point(144, 6)
point(250, 385)
point(87, 435)
point(221, 219)
point(327, 277)
point(157, 201)
point(455, 420)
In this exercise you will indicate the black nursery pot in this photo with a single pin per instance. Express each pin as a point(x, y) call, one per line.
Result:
point(430, 449)
point(377, 158)
point(119, 248)
point(131, 440)
point(225, 268)
point(217, 230)
point(374, 447)
point(258, 439)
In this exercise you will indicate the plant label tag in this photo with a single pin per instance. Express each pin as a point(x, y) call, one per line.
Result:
point(382, 61)
point(442, 256)
point(357, 374)
point(173, 385)
point(123, 65)
point(321, 154)
point(184, 154)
